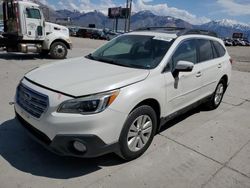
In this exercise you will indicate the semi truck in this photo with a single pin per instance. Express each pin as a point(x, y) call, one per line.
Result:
point(25, 30)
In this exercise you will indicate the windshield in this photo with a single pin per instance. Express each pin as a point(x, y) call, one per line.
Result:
point(136, 51)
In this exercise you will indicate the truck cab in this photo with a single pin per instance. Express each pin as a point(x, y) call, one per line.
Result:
point(25, 30)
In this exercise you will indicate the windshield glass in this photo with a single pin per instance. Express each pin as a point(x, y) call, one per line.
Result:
point(136, 51)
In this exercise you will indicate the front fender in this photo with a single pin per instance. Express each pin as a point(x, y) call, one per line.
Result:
point(150, 88)
point(53, 37)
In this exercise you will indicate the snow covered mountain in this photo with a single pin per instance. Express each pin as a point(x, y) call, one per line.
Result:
point(225, 27)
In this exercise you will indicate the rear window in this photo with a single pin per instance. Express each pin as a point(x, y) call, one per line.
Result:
point(219, 49)
point(33, 13)
point(205, 48)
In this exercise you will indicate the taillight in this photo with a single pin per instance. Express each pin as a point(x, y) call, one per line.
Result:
point(231, 61)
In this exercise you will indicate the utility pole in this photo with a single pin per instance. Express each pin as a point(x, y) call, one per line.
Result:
point(129, 16)
point(126, 18)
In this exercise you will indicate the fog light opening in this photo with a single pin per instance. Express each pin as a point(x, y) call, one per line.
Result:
point(79, 147)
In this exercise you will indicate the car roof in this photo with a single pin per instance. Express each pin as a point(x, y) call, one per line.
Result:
point(155, 34)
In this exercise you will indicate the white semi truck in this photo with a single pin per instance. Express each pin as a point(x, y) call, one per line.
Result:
point(25, 30)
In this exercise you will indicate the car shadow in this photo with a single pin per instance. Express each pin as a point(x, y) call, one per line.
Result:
point(21, 56)
point(26, 155)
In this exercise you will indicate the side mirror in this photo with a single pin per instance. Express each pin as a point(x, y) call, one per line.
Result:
point(184, 66)
point(39, 30)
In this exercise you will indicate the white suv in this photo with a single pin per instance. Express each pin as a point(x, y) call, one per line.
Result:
point(118, 97)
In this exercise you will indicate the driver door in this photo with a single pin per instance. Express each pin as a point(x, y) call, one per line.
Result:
point(34, 24)
point(183, 88)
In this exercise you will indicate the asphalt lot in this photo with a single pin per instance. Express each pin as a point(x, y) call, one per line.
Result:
point(199, 149)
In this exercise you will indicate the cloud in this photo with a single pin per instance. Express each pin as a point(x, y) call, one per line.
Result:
point(86, 5)
point(164, 10)
point(239, 8)
point(138, 5)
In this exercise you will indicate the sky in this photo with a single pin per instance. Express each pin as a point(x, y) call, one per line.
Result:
point(193, 11)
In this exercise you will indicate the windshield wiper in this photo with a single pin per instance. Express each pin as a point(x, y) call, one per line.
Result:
point(89, 56)
point(138, 66)
point(106, 60)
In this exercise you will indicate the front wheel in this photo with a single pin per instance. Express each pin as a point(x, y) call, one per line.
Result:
point(58, 50)
point(138, 132)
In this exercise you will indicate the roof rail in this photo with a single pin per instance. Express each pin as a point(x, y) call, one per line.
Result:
point(199, 32)
point(179, 30)
point(160, 28)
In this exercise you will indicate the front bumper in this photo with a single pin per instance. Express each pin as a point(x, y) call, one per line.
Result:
point(63, 144)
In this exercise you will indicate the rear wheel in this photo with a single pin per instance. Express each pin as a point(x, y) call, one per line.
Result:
point(58, 50)
point(217, 96)
point(138, 132)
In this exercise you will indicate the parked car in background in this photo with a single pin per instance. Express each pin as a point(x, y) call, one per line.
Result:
point(1, 28)
point(84, 32)
point(247, 43)
point(73, 31)
point(228, 42)
point(98, 34)
point(111, 34)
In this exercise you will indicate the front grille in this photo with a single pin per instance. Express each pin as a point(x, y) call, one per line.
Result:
point(31, 101)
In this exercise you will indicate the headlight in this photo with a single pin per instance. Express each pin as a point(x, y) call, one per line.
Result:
point(88, 105)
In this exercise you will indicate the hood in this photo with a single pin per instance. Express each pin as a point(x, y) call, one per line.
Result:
point(81, 76)
point(51, 27)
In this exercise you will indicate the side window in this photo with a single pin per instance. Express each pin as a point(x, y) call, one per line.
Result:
point(206, 51)
point(185, 52)
point(220, 50)
point(33, 13)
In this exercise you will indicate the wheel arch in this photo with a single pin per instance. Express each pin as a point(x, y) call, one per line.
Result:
point(153, 103)
point(225, 79)
point(61, 40)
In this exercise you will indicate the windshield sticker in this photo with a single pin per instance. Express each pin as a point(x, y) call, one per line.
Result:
point(168, 39)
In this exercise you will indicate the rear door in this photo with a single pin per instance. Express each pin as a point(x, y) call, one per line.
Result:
point(34, 23)
point(184, 89)
point(211, 65)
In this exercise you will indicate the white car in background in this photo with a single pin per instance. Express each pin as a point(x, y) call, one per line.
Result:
point(1, 28)
point(118, 97)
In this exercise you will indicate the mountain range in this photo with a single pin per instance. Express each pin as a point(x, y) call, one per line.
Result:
point(224, 28)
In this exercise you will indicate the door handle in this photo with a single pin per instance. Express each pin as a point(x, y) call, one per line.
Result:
point(198, 74)
point(219, 65)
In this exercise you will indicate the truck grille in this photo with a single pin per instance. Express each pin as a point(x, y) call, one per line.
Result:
point(31, 101)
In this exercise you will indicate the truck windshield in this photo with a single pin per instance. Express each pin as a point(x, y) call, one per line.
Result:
point(136, 51)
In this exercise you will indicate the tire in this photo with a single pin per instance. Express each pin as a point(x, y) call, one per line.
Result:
point(136, 137)
point(58, 50)
point(217, 96)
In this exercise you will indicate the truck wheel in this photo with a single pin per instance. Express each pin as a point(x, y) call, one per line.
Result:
point(58, 50)
point(138, 132)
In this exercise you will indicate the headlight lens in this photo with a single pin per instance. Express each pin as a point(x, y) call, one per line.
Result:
point(88, 105)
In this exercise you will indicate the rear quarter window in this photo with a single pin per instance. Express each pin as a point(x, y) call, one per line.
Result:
point(219, 49)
